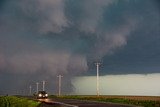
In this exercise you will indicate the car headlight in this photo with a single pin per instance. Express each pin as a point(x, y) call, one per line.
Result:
point(40, 95)
point(46, 95)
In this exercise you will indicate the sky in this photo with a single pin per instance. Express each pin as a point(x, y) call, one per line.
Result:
point(45, 38)
point(126, 84)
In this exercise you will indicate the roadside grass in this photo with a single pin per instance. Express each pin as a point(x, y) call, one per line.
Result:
point(144, 103)
point(12, 101)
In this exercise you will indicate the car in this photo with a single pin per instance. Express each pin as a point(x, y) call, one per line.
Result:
point(42, 94)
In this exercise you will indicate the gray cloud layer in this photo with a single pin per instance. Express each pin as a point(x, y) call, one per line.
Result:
point(44, 38)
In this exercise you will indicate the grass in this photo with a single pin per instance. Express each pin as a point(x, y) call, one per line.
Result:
point(12, 101)
point(144, 103)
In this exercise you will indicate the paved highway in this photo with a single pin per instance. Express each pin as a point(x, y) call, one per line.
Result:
point(77, 103)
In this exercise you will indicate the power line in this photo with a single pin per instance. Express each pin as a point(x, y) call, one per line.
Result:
point(30, 90)
point(43, 85)
point(59, 84)
point(37, 84)
point(97, 65)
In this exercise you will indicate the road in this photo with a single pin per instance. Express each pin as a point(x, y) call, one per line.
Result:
point(77, 103)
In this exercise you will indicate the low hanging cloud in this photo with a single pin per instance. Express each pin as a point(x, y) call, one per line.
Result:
point(53, 63)
point(114, 39)
point(93, 13)
point(34, 19)
point(41, 16)
point(53, 15)
point(53, 37)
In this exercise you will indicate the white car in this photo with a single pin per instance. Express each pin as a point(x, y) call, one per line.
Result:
point(42, 94)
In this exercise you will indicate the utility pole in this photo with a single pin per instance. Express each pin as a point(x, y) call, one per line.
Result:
point(37, 86)
point(30, 90)
point(59, 84)
point(97, 65)
point(43, 85)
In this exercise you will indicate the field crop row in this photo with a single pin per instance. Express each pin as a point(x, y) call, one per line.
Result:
point(12, 101)
point(144, 103)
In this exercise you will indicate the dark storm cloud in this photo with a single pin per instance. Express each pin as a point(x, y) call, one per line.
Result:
point(44, 38)
point(141, 54)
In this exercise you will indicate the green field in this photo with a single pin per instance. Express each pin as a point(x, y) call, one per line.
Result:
point(130, 100)
point(12, 101)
